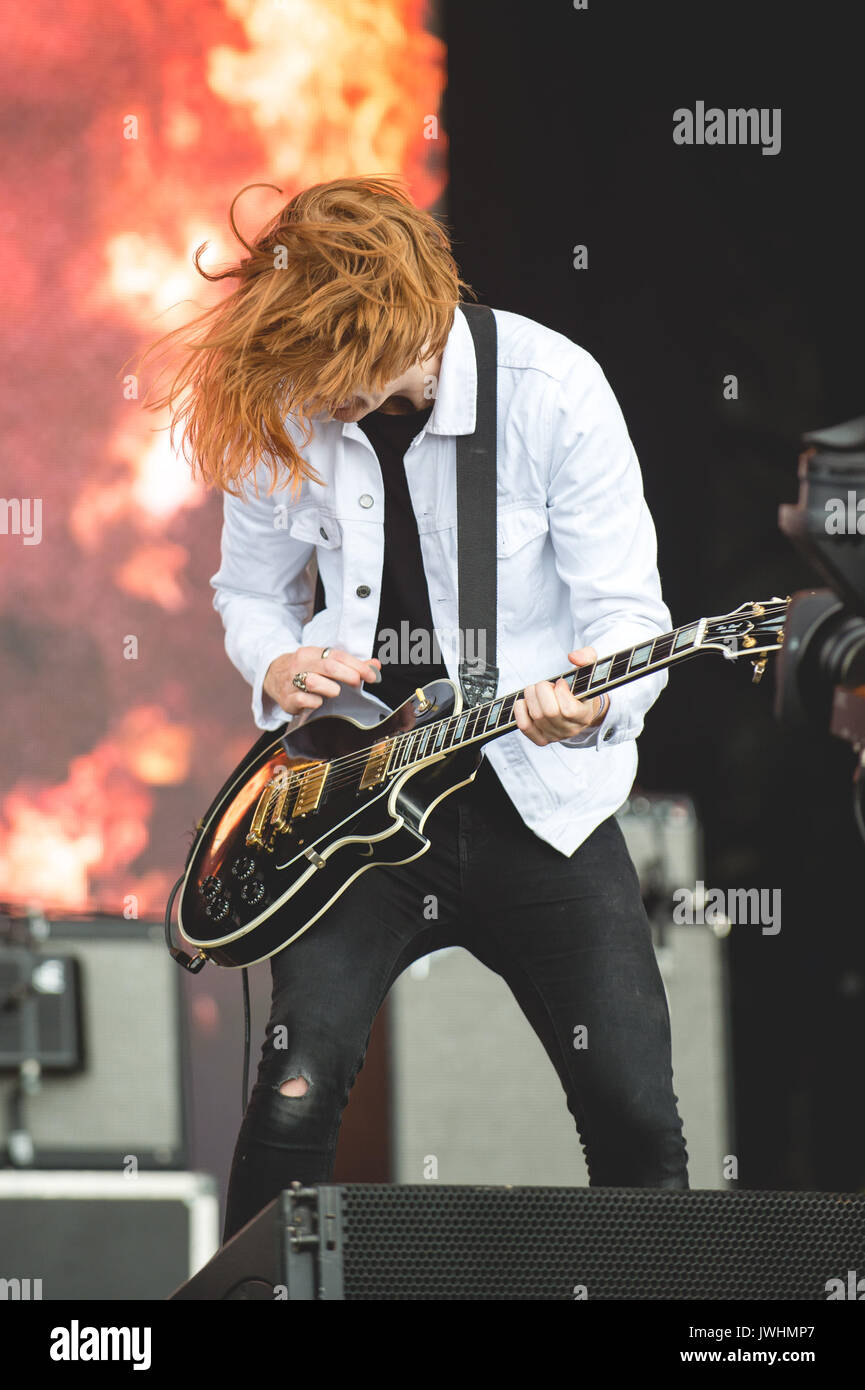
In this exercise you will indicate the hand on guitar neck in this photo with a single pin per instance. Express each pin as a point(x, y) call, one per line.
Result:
point(549, 712)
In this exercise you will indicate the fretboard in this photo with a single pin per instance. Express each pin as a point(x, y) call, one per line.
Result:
point(492, 718)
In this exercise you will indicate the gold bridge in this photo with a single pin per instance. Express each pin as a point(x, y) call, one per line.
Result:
point(262, 811)
point(272, 814)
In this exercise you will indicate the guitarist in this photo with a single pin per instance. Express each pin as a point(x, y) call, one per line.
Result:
point(324, 399)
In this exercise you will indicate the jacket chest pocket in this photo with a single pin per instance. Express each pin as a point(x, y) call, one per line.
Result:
point(316, 527)
point(518, 528)
point(521, 539)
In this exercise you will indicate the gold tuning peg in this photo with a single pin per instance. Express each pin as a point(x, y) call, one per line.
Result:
point(759, 668)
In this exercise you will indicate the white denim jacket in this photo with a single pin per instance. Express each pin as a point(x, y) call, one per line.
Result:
point(577, 561)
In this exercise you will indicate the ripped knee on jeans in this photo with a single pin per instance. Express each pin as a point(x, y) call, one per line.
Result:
point(294, 1087)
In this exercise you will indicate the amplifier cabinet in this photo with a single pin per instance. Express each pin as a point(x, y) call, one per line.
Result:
point(126, 1104)
point(95, 1235)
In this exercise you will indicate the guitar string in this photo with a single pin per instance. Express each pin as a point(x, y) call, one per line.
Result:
point(349, 764)
point(348, 760)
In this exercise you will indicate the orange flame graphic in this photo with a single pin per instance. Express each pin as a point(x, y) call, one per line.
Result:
point(134, 128)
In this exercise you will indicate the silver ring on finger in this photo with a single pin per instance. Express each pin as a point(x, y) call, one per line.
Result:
point(300, 680)
point(325, 652)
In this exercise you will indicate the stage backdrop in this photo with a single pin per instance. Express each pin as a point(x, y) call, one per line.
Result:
point(129, 128)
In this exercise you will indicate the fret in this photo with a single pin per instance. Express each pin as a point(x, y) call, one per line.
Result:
point(401, 755)
point(477, 720)
point(470, 716)
point(423, 741)
point(462, 720)
point(641, 656)
point(439, 739)
point(601, 671)
point(662, 646)
point(493, 716)
point(621, 662)
point(685, 637)
point(450, 725)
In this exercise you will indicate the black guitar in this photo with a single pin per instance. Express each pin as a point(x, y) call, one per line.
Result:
point(306, 812)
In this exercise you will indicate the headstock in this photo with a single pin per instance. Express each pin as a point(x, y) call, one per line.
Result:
point(751, 630)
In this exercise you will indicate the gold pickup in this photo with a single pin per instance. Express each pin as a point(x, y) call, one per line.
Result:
point(376, 764)
point(286, 787)
point(311, 780)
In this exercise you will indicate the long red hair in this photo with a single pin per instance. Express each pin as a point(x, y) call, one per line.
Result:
point(345, 288)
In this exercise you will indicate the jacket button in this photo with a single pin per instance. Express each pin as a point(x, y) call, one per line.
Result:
point(363, 591)
point(365, 500)
point(322, 532)
point(609, 734)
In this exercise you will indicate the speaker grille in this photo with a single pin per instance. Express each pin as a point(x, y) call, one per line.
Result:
point(549, 1243)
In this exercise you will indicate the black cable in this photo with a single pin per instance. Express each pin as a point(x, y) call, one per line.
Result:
point(183, 959)
point(169, 905)
point(14, 1119)
point(191, 963)
point(245, 973)
point(859, 797)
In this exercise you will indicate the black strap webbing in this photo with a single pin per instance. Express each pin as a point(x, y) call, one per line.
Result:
point(476, 522)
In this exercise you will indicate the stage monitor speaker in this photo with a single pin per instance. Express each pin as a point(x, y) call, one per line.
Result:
point(371, 1242)
point(124, 1107)
point(474, 1097)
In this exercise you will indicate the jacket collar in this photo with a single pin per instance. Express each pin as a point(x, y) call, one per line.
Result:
point(456, 398)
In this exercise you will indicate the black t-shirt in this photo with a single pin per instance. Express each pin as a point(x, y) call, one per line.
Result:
point(404, 593)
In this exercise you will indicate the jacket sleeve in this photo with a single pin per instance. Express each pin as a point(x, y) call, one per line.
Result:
point(603, 539)
point(265, 591)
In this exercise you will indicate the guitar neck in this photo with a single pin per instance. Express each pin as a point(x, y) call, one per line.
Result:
point(732, 635)
point(492, 718)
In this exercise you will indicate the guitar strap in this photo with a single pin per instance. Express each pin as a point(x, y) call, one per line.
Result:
point(476, 522)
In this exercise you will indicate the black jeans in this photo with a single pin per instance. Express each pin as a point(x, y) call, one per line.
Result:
point(570, 936)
